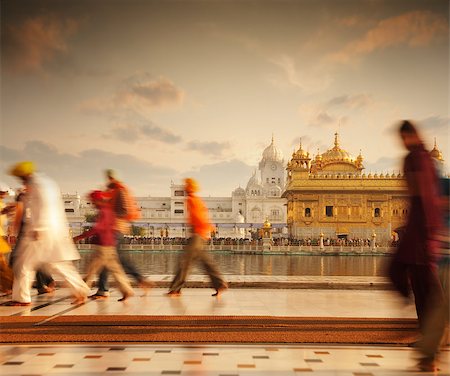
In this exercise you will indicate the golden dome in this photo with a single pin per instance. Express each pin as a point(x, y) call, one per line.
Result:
point(336, 153)
point(300, 153)
point(359, 158)
point(337, 160)
point(318, 156)
point(436, 153)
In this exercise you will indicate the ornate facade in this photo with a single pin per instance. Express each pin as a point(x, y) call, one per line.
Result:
point(236, 216)
point(330, 194)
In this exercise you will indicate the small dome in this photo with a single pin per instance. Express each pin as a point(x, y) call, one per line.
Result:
point(239, 218)
point(300, 153)
point(267, 224)
point(272, 153)
point(436, 153)
point(254, 182)
point(239, 192)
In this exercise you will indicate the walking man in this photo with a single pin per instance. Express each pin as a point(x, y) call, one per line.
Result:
point(105, 256)
point(195, 248)
point(414, 263)
point(125, 210)
point(45, 241)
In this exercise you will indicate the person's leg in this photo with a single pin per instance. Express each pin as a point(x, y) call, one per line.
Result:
point(421, 288)
point(68, 272)
point(183, 268)
point(23, 274)
point(48, 280)
point(43, 281)
point(6, 276)
point(98, 262)
point(128, 266)
point(103, 288)
point(211, 269)
point(118, 273)
point(434, 318)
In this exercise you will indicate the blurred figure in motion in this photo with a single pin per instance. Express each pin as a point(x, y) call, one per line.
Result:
point(195, 248)
point(44, 280)
point(444, 262)
point(105, 256)
point(415, 261)
point(45, 240)
point(6, 276)
point(125, 210)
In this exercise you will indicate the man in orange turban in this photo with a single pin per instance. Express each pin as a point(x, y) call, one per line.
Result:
point(195, 249)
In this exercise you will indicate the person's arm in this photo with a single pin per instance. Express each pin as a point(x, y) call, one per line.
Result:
point(86, 234)
point(427, 189)
point(18, 217)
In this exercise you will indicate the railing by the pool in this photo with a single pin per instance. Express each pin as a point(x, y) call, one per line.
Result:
point(251, 248)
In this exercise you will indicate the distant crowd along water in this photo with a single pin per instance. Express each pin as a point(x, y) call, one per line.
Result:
point(129, 239)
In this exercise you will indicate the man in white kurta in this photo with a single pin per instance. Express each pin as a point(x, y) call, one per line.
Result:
point(46, 241)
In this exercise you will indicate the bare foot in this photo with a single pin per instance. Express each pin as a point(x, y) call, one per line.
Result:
point(427, 365)
point(98, 297)
point(79, 300)
point(124, 297)
point(220, 290)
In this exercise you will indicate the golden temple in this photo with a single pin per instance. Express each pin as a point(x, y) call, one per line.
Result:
point(330, 194)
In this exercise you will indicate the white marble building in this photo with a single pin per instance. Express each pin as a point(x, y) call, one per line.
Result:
point(236, 216)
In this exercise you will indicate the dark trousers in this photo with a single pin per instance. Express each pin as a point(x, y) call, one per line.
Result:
point(43, 279)
point(128, 266)
point(195, 251)
point(430, 301)
point(427, 290)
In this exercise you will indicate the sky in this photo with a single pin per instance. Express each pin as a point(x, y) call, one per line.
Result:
point(163, 90)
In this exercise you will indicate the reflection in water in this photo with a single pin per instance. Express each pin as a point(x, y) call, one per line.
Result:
point(245, 264)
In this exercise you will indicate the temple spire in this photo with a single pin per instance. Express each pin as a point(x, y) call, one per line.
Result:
point(336, 140)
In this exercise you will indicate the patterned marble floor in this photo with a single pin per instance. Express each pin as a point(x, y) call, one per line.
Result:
point(217, 360)
point(134, 360)
point(242, 301)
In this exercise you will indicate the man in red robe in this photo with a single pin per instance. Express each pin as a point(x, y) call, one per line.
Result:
point(414, 263)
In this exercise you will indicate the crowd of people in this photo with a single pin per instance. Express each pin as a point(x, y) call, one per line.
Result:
point(327, 242)
point(44, 246)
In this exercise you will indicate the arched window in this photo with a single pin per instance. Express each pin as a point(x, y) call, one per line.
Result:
point(308, 212)
point(377, 212)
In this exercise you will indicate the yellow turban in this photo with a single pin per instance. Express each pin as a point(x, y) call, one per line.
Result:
point(190, 185)
point(22, 169)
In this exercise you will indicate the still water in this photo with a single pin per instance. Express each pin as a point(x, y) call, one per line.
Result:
point(160, 262)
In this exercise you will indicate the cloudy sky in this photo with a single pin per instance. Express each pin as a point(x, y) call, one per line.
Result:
point(162, 90)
